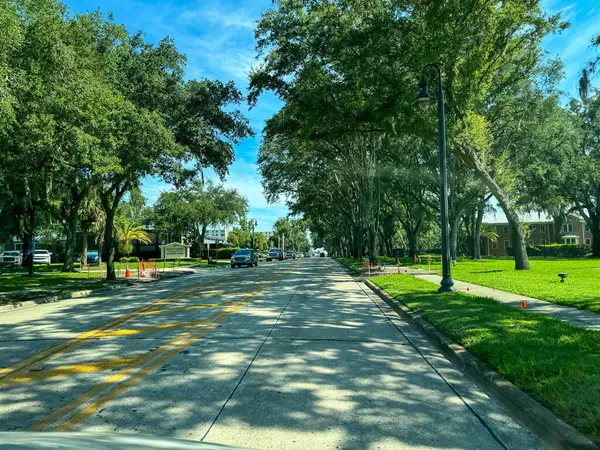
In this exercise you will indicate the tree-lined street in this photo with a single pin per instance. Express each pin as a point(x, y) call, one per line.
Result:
point(287, 355)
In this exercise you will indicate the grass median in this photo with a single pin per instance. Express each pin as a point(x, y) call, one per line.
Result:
point(555, 363)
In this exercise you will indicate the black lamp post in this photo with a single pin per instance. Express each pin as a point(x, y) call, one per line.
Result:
point(424, 99)
point(253, 222)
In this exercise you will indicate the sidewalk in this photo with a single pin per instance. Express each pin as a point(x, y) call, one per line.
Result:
point(576, 317)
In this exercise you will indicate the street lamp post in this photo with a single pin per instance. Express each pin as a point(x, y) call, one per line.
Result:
point(424, 99)
point(253, 222)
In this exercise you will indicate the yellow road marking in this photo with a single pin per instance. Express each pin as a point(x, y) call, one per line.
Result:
point(164, 326)
point(65, 371)
point(80, 339)
point(93, 407)
point(60, 412)
point(184, 308)
point(162, 354)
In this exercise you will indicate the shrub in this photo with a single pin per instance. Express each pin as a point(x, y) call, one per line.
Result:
point(182, 260)
point(221, 253)
point(565, 251)
point(556, 250)
point(129, 259)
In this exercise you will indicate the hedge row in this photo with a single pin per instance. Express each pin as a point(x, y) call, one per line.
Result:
point(129, 259)
point(221, 253)
point(558, 250)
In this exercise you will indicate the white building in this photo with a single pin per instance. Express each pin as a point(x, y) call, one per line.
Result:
point(218, 233)
point(268, 234)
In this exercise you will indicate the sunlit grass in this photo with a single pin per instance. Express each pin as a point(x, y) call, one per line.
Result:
point(557, 364)
point(581, 288)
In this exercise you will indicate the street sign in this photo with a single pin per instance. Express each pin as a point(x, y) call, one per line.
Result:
point(175, 250)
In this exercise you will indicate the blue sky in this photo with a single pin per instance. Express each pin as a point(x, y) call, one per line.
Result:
point(217, 37)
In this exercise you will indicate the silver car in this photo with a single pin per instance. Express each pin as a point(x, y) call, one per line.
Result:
point(42, 257)
point(12, 258)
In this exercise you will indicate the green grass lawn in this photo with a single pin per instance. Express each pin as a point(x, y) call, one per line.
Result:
point(15, 281)
point(555, 363)
point(352, 264)
point(581, 288)
point(48, 278)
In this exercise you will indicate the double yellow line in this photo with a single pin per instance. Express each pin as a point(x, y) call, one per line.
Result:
point(79, 340)
point(68, 416)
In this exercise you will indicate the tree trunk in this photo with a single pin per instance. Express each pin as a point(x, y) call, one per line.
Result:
point(517, 237)
point(476, 238)
point(454, 225)
point(373, 246)
point(559, 221)
point(71, 232)
point(84, 248)
point(109, 239)
point(411, 236)
point(28, 250)
point(594, 224)
point(596, 243)
point(100, 242)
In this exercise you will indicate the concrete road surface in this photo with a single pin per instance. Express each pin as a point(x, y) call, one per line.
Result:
point(291, 354)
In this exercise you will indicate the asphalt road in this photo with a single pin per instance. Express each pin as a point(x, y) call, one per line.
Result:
point(291, 354)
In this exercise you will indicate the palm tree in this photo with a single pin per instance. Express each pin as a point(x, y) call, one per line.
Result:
point(489, 234)
point(126, 232)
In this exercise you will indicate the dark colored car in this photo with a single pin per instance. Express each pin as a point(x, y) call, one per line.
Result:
point(93, 257)
point(275, 253)
point(244, 257)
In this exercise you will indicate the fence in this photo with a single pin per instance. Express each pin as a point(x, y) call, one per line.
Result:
point(148, 269)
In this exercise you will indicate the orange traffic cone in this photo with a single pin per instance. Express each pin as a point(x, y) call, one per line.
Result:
point(523, 304)
point(127, 272)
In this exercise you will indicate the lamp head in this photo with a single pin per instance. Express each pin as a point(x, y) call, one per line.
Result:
point(424, 99)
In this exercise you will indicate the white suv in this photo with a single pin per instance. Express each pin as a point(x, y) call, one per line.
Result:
point(42, 257)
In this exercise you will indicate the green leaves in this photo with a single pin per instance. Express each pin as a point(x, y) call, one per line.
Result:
point(190, 210)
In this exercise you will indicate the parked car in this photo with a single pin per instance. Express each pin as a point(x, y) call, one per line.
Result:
point(93, 258)
point(274, 253)
point(42, 257)
point(12, 258)
point(290, 254)
point(244, 257)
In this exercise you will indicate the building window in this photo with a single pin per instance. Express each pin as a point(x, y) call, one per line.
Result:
point(543, 228)
point(495, 244)
point(542, 241)
point(531, 242)
point(588, 241)
point(506, 244)
point(568, 227)
point(505, 230)
point(587, 227)
point(570, 241)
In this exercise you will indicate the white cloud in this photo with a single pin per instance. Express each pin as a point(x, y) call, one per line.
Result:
point(220, 16)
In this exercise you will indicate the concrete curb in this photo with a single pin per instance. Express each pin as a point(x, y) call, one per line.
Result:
point(77, 294)
point(550, 428)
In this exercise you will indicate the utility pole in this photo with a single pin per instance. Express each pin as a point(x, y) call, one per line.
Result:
point(253, 222)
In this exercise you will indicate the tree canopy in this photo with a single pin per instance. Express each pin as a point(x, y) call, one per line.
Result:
point(88, 108)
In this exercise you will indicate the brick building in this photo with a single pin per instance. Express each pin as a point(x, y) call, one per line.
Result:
point(574, 231)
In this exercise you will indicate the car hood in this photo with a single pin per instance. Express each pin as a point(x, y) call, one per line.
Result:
point(98, 441)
